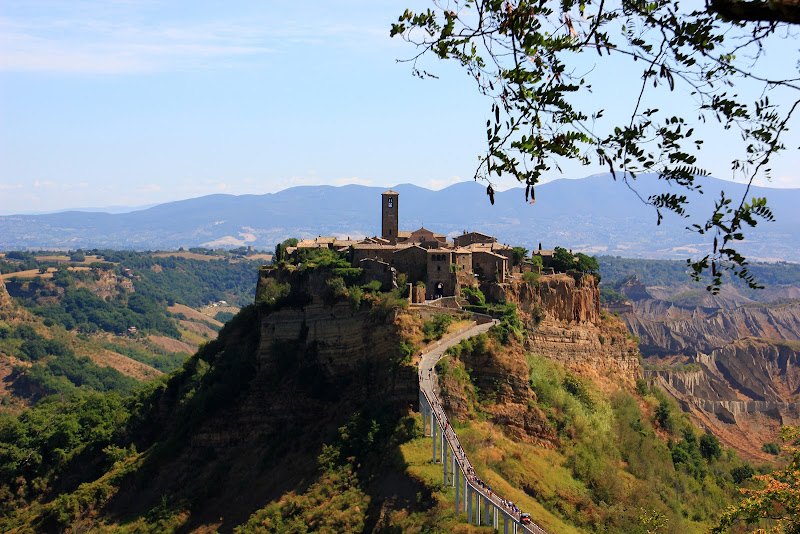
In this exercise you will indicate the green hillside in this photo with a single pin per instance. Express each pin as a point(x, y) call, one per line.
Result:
point(239, 439)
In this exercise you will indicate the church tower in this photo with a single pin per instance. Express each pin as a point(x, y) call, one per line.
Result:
point(389, 219)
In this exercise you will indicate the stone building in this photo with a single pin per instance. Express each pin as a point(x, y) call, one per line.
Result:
point(389, 216)
point(468, 238)
point(421, 255)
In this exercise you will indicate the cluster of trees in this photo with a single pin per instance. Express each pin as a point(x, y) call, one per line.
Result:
point(189, 281)
point(56, 369)
point(564, 260)
point(80, 309)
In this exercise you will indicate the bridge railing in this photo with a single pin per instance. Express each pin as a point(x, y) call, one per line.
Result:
point(465, 466)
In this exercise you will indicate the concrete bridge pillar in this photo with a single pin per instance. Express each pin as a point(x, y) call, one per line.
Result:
point(445, 453)
point(477, 508)
point(444, 450)
point(454, 468)
point(433, 434)
point(466, 492)
point(486, 509)
point(505, 523)
point(468, 499)
point(455, 483)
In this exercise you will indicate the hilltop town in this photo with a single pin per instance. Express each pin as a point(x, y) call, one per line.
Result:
point(424, 256)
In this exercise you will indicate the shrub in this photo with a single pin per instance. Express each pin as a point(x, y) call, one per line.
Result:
point(473, 295)
point(531, 277)
point(373, 286)
point(350, 275)
point(25, 331)
point(710, 447)
point(771, 448)
point(742, 473)
point(437, 326)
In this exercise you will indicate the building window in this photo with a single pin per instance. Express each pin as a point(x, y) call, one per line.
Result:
point(391, 202)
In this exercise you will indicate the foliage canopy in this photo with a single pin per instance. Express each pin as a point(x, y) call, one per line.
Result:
point(530, 58)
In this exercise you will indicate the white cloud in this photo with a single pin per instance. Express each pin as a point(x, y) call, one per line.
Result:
point(135, 37)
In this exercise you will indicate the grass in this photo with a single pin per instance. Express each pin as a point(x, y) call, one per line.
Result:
point(496, 459)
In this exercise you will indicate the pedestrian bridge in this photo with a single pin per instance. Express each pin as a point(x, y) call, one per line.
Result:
point(475, 499)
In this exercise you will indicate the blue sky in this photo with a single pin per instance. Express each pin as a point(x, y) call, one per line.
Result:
point(131, 102)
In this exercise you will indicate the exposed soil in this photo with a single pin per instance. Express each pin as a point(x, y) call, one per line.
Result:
point(200, 328)
point(172, 345)
point(124, 365)
point(193, 314)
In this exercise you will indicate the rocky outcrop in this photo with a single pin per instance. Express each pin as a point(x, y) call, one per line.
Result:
point(563, 319)
point(5, 299)
point(634, 289)
point(560, 297)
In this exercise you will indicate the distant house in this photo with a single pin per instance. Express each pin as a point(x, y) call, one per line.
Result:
point(468, 238)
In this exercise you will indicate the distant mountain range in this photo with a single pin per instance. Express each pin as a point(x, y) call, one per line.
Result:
point(593, 214)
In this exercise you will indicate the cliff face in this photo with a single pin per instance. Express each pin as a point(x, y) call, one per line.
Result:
point(748, 381)
point(341, 342)
point(742, 393)
point(564, 323)
point(563, 320)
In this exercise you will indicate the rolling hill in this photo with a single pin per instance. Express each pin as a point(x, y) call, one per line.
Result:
point(590, 214)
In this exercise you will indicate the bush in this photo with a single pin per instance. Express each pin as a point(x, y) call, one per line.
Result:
point(25, 331)
point(531, 277)
point(710, 447)
point(742, 473)
point(474, 296)
point(771, 448)
point(350, 275)
point(437, 326)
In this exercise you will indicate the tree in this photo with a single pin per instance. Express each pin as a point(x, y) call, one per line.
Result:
point(587, 264)
point(530, 58)
point(563, 260)
point(778, 498)
point(520, 253)
point(710, 447)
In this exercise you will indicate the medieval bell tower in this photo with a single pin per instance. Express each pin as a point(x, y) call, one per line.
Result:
point(389, 219)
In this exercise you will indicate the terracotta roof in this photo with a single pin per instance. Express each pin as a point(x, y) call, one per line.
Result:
point(403, 233)
point(371, 246)
point(325, 239)
point(390, 192)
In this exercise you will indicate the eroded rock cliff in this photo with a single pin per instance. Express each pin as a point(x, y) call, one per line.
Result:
point(563, 321)
point(747, 381)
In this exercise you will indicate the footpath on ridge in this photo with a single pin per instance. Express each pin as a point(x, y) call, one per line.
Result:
point(427, 381)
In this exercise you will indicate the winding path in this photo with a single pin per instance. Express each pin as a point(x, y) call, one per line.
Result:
point(457, 468)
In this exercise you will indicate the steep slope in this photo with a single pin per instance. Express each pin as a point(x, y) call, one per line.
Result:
point(744, 385)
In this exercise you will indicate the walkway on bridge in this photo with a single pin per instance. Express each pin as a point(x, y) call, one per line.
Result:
point(457, 468)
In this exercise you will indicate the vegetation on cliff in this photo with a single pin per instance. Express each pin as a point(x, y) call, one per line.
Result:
point(266, 434)
point(597, 459)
